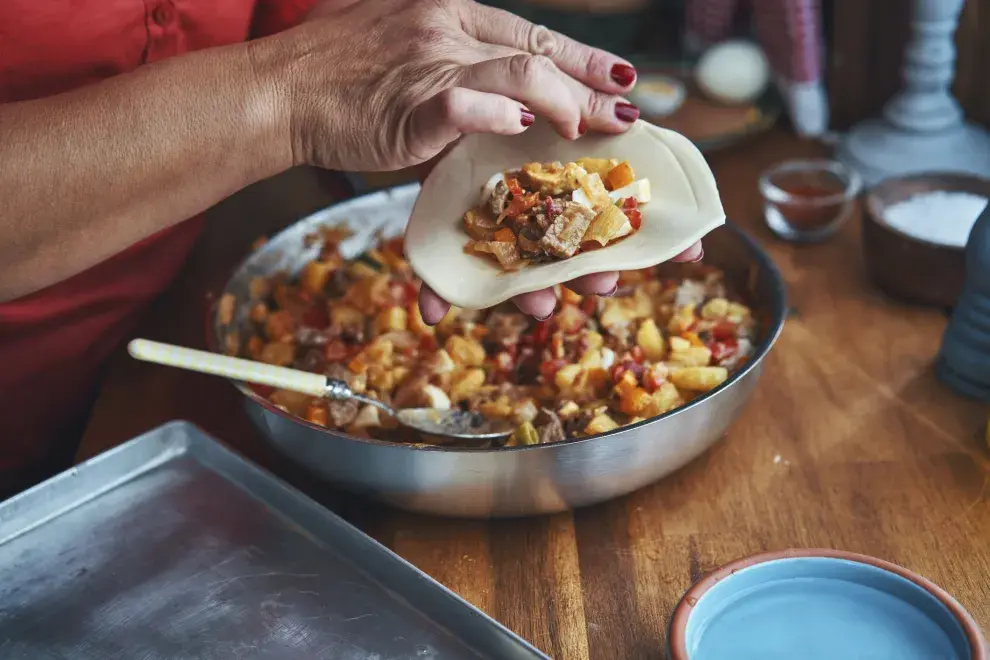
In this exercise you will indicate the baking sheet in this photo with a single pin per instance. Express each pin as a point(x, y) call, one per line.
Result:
point(171, 546)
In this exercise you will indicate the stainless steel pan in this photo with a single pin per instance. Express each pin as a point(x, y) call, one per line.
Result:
point(516, 481)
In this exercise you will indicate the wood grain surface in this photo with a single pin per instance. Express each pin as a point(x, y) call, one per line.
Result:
point(849, 443)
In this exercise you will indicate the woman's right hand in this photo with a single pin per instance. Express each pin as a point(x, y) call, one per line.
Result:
point(388, 84)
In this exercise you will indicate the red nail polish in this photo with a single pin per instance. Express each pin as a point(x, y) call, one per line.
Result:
point(527, 118)
point(626, 112)
point(623, 74)
point(582, 127)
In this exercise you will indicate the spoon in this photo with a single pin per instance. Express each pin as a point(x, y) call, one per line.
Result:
point(454, 423)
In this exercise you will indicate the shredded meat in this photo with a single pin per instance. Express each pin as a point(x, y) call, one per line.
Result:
point(564, 236)
point(499, 199)
point(549, 427)
point(505, 328)
point(342, 413)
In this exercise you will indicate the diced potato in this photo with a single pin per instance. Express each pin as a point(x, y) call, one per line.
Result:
point(679, 344)
point(226, 308)
point(380, 377)
point(620, 175)
point(259, 312)
point(599, 166)
point(391, 319)
point(316, 413)
point(570, 318)
point(716, 308)
point(693, 338)
point(367, 417)
point(292, 402)
point(667, 398)
point(500, 408)
point(448, 323)
point(568, 409)
point(649, 339)
point(436, 398)
point(315, 275)
point(565, 377)
point(600, 424)
point(465, 384)
point(278, 353)
point(610, 224)
point(524, 435)
point(370, 293)
point(591, 358)
point(416, 322)
point(682, 320)
point(626, 383)
point(692, 356)
point(615, 314)
point(345, 316)
point(465, 352)
point(635, 401)
point(279, 325)
point(380, 351)
point(698, 379)
point(441, 363)
point(593, 339)
point(594, 190)
point(232, 343)
point(568, 297)
point(525, 411)
point(254, 346)
point(737, 313)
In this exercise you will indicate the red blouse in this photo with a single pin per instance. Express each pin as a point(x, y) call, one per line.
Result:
point(53, 343)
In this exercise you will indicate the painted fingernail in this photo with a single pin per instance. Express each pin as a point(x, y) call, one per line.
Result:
point(701, 255)
point(526, 117)
point(626, 112)
point(582, 127)
point(610, 293)
point(623, 74)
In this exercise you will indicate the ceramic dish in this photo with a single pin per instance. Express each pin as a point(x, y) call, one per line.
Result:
point(684, 207)
point(813, 604)
point(906, 268)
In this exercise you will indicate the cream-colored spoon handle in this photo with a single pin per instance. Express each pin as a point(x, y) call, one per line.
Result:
point(229, 367)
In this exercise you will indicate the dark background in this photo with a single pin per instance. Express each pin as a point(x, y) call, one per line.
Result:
point(865, 43)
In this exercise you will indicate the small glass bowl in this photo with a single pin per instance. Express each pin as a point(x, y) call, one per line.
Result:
point(807, 201)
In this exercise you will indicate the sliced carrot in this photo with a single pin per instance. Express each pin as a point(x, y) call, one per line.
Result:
point(505, 235)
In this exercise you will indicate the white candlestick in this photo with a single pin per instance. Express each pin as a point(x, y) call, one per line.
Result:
point(922, 128)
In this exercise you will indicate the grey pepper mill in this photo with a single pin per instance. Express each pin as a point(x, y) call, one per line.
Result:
point(964, 359)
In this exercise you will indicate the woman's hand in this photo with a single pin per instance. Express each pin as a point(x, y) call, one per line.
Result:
point(386, 84)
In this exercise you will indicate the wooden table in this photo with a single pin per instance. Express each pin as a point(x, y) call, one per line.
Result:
point(849, 442)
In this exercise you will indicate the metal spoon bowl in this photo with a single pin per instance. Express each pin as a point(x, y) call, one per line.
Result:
point(453, 423)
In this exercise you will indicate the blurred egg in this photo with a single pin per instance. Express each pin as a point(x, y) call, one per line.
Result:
point(657, 95)
point(733, 72)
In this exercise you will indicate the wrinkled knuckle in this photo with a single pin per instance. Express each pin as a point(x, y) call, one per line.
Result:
point(598, 104)
point(530, 69)
point(541, 41)
point(429, 37)
point(596, 66)
point(450, 103)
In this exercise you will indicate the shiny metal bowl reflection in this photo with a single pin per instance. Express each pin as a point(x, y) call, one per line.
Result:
point(480, 483)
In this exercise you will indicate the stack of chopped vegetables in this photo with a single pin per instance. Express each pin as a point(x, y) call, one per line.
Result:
point(668, 335)
point(550, 211)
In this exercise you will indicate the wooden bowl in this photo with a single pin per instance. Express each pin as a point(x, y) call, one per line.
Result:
point(906, 268)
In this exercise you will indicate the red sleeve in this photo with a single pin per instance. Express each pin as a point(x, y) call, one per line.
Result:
point(271, 16)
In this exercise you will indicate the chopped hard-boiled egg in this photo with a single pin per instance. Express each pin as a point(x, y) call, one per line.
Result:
point(489, 187)
point(639, 189)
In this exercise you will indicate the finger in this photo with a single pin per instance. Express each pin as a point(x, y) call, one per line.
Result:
point(532, 80)
point(693, 254)
point(431, 306)
point(601, 112)
point(600, 284)
point(538, 304)
point(595, 68)
point(456, 111)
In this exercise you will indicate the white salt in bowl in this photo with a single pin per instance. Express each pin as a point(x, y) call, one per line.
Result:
point(912, 230)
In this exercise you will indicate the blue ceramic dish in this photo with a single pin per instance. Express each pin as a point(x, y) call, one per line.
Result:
point(817, 605)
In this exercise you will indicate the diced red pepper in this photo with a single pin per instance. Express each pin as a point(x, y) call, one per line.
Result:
point(403, 293)
point(652, 381)
point(723, 331)
point(631, 208)
point(396, 246)
point(316, 317)
point(589, 305)
point(637, 353)
point(428, 343)
point(617, 371)
point(336, 351)
point(521, 203)
point(550, 368)
point(514, 187)
point(263, 391)
point(541, 332)
point(722, 350)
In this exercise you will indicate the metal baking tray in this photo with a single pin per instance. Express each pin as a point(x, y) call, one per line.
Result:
point(172, 546)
